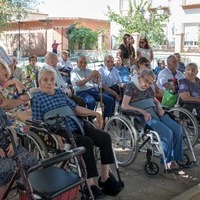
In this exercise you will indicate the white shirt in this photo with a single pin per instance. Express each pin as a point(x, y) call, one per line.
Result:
point(165, 75)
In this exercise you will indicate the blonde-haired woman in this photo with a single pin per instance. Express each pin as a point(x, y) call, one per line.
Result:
point(13, 95)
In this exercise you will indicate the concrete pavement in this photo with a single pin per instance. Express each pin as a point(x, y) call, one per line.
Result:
point(140, 187)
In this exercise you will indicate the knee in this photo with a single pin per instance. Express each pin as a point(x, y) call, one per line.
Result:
point(106, 137)
point(87, 143)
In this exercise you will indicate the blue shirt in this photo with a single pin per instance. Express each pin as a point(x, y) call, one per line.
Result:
point(109, 77)
point(124, 74)
point(43, 102)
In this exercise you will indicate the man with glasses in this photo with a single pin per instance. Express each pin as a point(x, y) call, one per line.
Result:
point(85, 83)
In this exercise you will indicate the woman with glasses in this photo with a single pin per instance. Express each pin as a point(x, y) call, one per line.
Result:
point(144, 49)
point(126, 50)
point(139, 96)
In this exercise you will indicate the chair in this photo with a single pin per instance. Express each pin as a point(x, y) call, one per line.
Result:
point(49, 179)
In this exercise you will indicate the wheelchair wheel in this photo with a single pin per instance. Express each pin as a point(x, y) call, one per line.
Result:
point(151, 168)
point(189, 123)
point(124, 139)
point(37, 146)
point(186, 160)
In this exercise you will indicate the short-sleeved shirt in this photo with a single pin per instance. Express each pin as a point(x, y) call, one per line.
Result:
point(187, 86)
point(43, 102)
point(136, 94)
point(64, 66)
point(78, 75)
point(124, 74)
point(145, 52)
point(166, 75)
point(109, 77)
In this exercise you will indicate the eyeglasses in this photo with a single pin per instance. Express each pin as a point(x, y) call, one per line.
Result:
point(146, 80)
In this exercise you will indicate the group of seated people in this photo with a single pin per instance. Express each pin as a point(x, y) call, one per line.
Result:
point(89, 87)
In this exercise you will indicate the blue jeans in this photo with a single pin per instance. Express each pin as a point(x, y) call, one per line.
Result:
point(171, 135)
point(92, 95)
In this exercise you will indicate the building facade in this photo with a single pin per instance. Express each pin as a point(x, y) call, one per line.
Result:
point(35, 34)
point(183, 27)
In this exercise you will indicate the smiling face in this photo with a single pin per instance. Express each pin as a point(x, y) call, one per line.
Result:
point(47, 82)
point(82, 62)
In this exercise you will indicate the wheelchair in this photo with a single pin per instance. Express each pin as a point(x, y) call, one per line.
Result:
point(43, 142)
point(130, 135)
point(49, 179)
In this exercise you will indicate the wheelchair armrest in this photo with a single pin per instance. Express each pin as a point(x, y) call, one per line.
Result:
point(189, 102)
point(129, 112)
point(138, 117)
point(35, 122)
point(58, 158)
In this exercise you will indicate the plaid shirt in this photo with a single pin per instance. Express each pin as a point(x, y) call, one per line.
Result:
point(43, 102)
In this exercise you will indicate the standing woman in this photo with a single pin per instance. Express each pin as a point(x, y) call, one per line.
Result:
point(144, 49)
point(126, 51)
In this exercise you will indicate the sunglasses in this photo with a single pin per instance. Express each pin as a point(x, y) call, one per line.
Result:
point(142, 42)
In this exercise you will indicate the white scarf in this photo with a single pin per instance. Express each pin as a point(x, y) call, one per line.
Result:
point(136, 82)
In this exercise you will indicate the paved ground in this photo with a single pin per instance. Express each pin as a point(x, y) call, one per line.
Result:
point(140, 187)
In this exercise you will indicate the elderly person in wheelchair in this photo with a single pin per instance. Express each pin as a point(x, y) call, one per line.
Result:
point(139, 96)
point(48, 98)
point(189, 89)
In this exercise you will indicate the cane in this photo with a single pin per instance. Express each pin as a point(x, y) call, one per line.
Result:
point(101, 99)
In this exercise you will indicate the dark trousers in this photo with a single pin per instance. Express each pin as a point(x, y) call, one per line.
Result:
point(100, 139)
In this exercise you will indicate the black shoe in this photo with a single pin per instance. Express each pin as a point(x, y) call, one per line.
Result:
point(97, 193)
point(111, 186)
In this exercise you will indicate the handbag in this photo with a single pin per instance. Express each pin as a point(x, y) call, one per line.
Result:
point(169, 99)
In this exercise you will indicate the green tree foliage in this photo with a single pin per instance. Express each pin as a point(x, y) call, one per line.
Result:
point(82, 38)
point(15, 9)
point(136, 20)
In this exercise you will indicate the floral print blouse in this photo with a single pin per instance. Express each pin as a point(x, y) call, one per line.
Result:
point(11, 93)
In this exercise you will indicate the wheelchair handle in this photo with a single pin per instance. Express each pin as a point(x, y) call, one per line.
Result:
point(58, 158)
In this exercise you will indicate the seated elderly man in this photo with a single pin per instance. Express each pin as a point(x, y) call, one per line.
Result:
point(167, 78)
point(110, 78)
point(85, 83)
point(48, 98)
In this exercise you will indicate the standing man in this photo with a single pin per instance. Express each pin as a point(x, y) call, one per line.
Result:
point(85, 82)
point(55, 47)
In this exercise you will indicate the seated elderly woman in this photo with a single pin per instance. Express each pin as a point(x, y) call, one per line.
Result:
point(93, 136)
point(7, 163)
point(13, 97)
point(139, 96)
point(189, 88)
